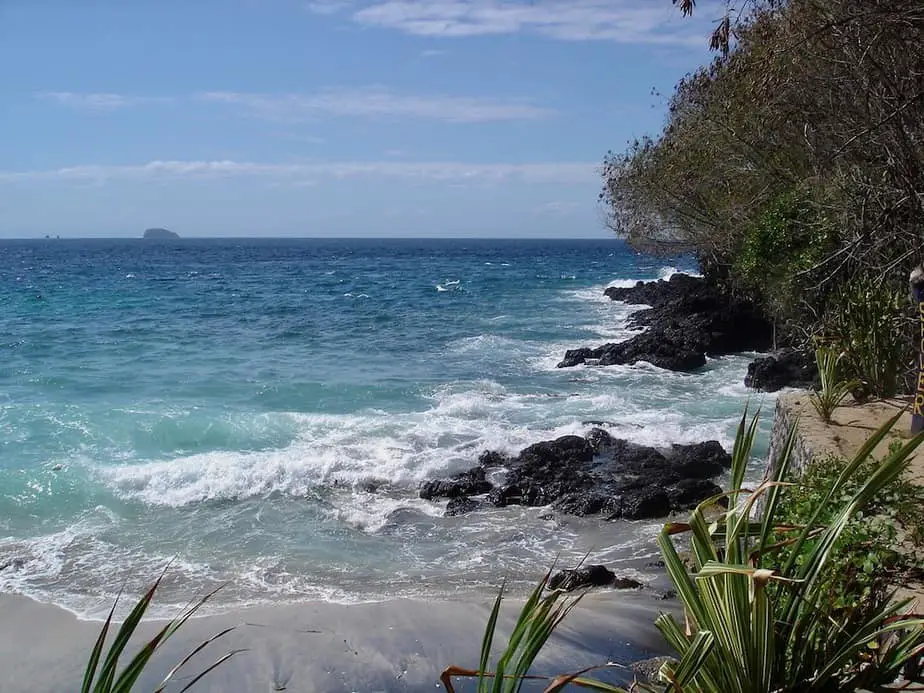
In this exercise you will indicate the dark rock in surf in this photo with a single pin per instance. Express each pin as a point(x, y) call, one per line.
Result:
point(787, 368)
point(688, 320)
point(490, 458)
point(470, 483)
point(594, 475)
point(585, 576)
point(701, 460)
point(621, 582)
point(461, 505)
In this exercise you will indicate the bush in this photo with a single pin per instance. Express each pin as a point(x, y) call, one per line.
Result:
point(868, 323)
point(864, 561)
point(779, 250)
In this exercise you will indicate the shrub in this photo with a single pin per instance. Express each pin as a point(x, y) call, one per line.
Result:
point(867, 322)
point(832, 391)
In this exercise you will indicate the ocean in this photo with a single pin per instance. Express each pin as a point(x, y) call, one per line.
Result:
point(259, 413)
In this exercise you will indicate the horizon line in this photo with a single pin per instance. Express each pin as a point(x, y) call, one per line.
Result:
point(57, 237)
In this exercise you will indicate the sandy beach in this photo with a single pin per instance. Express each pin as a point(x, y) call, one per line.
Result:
point(388, 646)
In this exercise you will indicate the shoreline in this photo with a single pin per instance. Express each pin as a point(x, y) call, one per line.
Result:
point(400, 645)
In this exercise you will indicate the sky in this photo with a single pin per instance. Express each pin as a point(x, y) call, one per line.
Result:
point(391, 118)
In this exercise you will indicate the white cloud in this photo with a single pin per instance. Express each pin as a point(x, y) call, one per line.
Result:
point(326, 7)
point(99, 101)
point(626, 21)
point(449, 171)
point(376, 102)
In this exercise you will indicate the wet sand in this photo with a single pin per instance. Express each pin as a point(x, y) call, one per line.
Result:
point(390, 646)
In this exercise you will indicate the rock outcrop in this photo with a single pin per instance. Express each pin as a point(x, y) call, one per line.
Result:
point(593, 475)
point(688, 320)
point(787, 368)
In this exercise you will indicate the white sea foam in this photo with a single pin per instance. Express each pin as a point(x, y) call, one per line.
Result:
point(451, 285)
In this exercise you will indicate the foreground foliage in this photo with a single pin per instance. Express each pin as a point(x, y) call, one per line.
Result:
point(767, 604)
point(102, 674)
point(760, 612)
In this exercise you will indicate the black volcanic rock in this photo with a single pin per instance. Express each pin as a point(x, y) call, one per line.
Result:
point(788, 368)
point(593, 475)
point(470, 483)
point(688, 320)
point(461, 505)
point(621, 582)
point(700, 461)
point(585, 576)
point(160, 234)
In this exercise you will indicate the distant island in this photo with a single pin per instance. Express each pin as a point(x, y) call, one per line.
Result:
point(160, 233)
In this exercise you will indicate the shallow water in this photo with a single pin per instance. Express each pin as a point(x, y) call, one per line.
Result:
point(227, 403)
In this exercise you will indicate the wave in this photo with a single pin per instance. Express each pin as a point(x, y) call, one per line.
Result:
point(452, 285)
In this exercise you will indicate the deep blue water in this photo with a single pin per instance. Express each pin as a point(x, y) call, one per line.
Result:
point(226, 403)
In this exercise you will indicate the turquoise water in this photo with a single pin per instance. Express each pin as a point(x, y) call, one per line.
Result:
point(230, 404)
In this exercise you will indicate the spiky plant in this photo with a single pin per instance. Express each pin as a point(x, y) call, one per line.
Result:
point(832, 391)
point(758, 617)
point(543, 611)
point(102, 674)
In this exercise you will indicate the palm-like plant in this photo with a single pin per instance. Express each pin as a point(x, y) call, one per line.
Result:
point(832, 391)
point(102, 674)
point(758, 617)
point(538, 619)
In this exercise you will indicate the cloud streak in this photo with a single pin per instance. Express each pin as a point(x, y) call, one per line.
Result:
point(375, 103)
point(625, 21)
point(429, 171)
point(99, 101)
point(371, 103)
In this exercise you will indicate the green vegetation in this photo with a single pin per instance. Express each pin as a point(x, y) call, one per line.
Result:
point(832, 391)
point(868, 326)
point(788, 602)
point(543, 611)
point(102, 673)
point(878, 545)
point(792, 166)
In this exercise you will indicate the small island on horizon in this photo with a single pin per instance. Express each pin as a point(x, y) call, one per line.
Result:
point(160, 233)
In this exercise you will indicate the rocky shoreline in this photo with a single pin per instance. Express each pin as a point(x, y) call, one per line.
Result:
point(685, 320)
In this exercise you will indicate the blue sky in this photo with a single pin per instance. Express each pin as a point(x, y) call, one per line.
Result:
point(327, 117)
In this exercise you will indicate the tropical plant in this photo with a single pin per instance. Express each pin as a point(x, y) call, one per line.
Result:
point(878, 546)
point(832, 391)
point(759, 615)
point(539, 617)
point(102, 673)
point(868, 323)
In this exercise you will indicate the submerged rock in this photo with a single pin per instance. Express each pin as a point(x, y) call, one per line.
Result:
point(788, 368)
point(688, 320)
